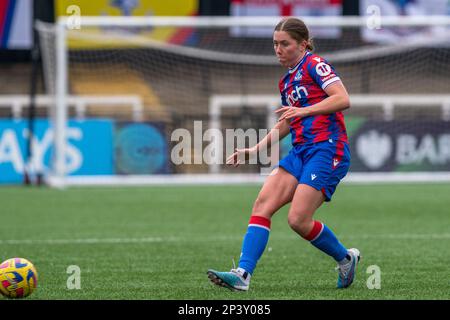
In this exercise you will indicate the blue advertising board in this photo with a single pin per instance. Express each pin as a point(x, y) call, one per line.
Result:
point(88, 151)
point(140, 148)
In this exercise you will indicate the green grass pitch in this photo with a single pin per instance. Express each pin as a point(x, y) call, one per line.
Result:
point(158, 242)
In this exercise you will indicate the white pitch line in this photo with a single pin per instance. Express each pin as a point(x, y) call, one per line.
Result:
point(89, 241)
point(211, 239)
point(401, 236)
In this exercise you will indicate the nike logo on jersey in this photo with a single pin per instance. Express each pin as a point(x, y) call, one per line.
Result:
point(317, 59)
point(313, 176)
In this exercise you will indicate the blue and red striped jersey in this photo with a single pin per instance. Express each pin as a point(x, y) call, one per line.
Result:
point(303, 86)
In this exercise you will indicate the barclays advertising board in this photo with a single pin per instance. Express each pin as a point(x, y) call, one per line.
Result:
point(94, 147)
point(88, 151)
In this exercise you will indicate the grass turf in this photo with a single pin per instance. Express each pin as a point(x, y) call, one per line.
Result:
point(158, 242)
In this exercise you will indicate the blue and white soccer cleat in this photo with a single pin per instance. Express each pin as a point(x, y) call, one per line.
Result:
point(347, 271)
point(236, 279)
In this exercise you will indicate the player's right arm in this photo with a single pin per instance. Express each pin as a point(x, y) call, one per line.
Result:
point(278, 132)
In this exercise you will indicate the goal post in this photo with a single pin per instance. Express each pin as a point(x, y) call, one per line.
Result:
point(60, 110)
point(215, 70)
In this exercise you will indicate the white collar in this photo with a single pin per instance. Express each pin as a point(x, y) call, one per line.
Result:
point(291, 70)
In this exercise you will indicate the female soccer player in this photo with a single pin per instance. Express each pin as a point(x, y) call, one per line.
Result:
point(313, 98)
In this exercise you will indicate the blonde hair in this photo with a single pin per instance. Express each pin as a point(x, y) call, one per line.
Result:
point(297, 29)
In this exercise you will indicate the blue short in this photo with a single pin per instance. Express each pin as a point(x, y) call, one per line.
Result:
point(321, 165)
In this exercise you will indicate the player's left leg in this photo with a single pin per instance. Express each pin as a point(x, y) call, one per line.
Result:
point(300, 218)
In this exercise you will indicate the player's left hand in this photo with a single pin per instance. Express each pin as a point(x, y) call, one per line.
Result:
point(291, 112)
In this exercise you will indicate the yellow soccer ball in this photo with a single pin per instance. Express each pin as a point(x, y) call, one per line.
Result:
point(18, 278)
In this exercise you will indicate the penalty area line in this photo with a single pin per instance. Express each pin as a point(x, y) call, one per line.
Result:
point(91, 240)
point(208, 239)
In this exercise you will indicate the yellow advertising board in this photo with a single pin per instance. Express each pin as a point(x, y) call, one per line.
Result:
point(124, 8)
point(129, 7)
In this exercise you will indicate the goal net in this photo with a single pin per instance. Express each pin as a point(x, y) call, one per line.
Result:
point(167, 99)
